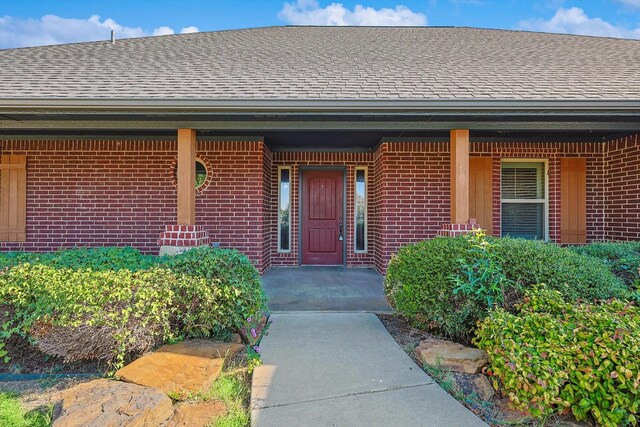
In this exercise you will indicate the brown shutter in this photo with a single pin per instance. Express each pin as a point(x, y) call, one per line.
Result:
point(480, 192)
point(13, 198)
point(573, 200)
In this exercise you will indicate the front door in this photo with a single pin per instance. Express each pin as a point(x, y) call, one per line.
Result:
point(322, 217)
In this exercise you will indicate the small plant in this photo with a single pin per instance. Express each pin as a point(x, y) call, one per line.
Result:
point(233, 389)
point(4, 355)
point(253, 358)
point(482, 279)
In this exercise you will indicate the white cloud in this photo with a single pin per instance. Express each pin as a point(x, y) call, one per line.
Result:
point(189, 30)
point(52, 29)
point(309, 12)
point(575, 21)
point(634, 4)
point(163, 31)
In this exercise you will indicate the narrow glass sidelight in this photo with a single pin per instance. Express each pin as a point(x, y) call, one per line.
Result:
point(284, 209)
point(360, 237)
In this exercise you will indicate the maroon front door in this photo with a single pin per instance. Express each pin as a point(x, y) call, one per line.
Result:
point(322, 212)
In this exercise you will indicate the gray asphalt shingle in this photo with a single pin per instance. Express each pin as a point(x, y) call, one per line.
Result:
point(416, 63)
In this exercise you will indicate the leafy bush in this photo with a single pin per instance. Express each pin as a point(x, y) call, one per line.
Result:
point(623, 258)
point(101, 258)
point(115, 308)
point(419, 285)
point(237, 294)
point(85, 314)
point(484, 280)
point(447, 283)
point(553, 355)
point(529, 262)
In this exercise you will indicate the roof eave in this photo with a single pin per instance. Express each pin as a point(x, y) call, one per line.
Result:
point(308, 105)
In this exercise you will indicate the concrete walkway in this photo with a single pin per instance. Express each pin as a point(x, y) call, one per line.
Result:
point(344, 369)
point(324, 289)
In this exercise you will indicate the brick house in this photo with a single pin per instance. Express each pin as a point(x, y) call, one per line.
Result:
point(319, 145)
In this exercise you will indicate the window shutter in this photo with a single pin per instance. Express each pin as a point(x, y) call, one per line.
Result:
point(13, 198)
point(480, 192)
point(573, 200)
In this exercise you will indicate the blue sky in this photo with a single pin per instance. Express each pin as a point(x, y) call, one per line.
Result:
point(37, 22)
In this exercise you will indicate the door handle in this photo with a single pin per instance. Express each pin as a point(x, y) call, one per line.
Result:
point(340, 233)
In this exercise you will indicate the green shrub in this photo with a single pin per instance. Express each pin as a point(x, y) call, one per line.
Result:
point(444, 283)
point(237, 290)
point(529, 262)
point(115, 308)
point(419, 285)
point(553, 355)
point(85, 314)
point(623, 258)
point(100, 258)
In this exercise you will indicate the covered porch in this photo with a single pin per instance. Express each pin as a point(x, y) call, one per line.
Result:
point(325, 289)
point(402, 175)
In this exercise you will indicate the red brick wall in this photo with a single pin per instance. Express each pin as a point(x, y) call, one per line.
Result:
point(552, 152)
point(118, 193)
point(413, 196)
point(622, 198)
point(268, 205)
point(232, 207)
point(297, 159)
point(96, 193)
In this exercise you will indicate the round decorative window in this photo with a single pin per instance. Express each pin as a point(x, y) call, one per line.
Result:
point(203, 175)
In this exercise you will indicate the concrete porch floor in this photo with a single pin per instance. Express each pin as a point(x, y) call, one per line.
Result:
point(324, 289)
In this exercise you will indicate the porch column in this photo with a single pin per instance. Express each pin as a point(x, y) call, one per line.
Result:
point(185, 234)
point(460, 221)
point(459, 141)
point(186, 177)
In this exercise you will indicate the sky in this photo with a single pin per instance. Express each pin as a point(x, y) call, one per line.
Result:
point(42, 22)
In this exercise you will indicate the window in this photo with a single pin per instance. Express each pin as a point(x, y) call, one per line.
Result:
point(524, 199)
point(360, 235)
point(202, 174)
point(284, 209)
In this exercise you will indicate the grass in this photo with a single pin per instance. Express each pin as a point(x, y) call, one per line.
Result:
point(13, 414)
point(233, 388)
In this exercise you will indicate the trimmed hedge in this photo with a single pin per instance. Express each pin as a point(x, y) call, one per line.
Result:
point(553, 355)
point(530, 262)
point(421, 279)
point(107, 303)
point(99, 259)
point(235, 281)
point(418, 284)
point(623, 258)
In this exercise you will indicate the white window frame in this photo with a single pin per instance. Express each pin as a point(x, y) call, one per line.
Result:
point(280, 169)
point(366, 209)
point(545, 208)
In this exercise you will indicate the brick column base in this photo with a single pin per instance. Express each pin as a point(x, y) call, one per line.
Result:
point(452, 230)
point(179, 238)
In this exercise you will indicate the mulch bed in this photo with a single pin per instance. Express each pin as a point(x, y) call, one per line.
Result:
point(27, 359)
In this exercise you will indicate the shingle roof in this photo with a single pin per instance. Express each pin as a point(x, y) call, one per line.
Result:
point(351, 63)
